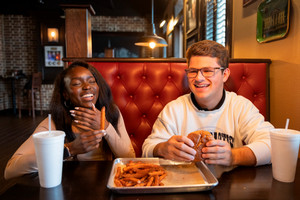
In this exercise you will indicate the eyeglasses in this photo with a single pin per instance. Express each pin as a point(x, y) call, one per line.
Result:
point(205, 71)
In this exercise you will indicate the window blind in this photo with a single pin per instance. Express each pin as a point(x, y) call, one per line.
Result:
point(216, 21)
point(210, 20)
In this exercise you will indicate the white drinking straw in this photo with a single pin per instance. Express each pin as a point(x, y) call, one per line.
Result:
point(287, 123)
point(49, 116)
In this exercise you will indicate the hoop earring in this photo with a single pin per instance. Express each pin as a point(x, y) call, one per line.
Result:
point(67, 104)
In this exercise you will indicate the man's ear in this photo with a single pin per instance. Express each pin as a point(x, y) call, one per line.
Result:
point(226, 74)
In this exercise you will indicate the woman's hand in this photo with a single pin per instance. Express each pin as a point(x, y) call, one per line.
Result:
point(86, 141)
point(87, 119)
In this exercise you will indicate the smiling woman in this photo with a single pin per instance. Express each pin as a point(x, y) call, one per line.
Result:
point(81, 87)
point(79, 94)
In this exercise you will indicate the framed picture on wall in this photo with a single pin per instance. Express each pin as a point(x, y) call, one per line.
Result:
point(191, 40)
point(247, 2)
point(272, 20)
point(191, 15)
point(53, 56)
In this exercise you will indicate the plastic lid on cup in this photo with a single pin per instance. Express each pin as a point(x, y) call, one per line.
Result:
point(55, 135)
point(285, 134)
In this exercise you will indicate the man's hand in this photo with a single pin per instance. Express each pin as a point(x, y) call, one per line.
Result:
point(217, 152)
point(177, 148)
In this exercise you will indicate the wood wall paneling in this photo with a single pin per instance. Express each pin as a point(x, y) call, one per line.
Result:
point(78, 40)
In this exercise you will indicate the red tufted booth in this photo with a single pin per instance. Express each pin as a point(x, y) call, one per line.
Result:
point(142, 87)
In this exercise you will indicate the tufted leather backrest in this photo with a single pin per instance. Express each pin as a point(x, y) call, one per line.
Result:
point(250, 78)
point(141, 90)
point(142, 87)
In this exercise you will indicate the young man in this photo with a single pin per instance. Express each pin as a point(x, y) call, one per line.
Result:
point(240, 132)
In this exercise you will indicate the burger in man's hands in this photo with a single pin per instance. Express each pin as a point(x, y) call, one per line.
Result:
point(200, 138)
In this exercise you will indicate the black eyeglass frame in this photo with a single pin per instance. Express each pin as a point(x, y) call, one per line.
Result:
point(188, 70)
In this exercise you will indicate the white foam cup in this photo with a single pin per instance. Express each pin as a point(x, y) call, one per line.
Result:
point(49, 149)
point(285, 148)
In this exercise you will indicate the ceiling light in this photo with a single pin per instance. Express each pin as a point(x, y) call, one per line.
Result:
point(153, 40)
point(162, 23)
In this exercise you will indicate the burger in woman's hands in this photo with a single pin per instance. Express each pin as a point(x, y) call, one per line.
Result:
point(200, 138)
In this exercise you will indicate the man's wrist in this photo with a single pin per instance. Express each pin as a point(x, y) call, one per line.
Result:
point(234, 157)
point(243, 156)
point(156, 150)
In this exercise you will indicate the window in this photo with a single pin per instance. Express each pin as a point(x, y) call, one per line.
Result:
point(209, 33)
point(221, 22)
point(214, 21)
point(216, 16)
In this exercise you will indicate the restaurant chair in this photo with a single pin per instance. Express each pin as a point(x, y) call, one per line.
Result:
point(36, 88)
point(31, 90)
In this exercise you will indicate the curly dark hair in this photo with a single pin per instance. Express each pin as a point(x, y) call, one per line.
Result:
point(209, 48)
point(60, 111)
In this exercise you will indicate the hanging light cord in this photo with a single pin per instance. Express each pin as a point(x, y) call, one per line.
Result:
point(152, 18)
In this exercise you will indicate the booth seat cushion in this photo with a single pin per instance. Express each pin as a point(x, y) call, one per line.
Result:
point(142, 89)
point(251, 81)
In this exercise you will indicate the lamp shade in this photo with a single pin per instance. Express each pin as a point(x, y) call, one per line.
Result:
point(152, 40)
point(52, 35)
point(146, 41)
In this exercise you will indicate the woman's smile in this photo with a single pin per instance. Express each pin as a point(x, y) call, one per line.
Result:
point(88, 97)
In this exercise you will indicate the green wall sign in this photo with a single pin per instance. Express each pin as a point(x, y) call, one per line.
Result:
point(272, 20)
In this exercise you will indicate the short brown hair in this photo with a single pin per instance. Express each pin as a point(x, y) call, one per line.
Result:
point(209, 48)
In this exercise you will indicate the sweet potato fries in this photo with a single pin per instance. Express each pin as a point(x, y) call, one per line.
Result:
point(136, 174)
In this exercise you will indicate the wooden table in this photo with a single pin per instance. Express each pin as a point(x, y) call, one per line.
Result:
point(88, 180)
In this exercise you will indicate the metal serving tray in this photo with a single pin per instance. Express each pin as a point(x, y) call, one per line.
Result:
point(181, 177)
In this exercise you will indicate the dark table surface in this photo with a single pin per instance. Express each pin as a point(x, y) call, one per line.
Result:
point(88, 180)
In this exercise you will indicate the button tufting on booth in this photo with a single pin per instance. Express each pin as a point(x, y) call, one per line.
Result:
point(142, 87)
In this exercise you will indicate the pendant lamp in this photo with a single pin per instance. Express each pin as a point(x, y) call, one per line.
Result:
point(153, 40)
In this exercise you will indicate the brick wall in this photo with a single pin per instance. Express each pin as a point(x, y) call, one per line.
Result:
point(2, 58)
point(18, 51)
point(2, 64)
point(19, 40)
point(21, 43)
point(119, 24)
